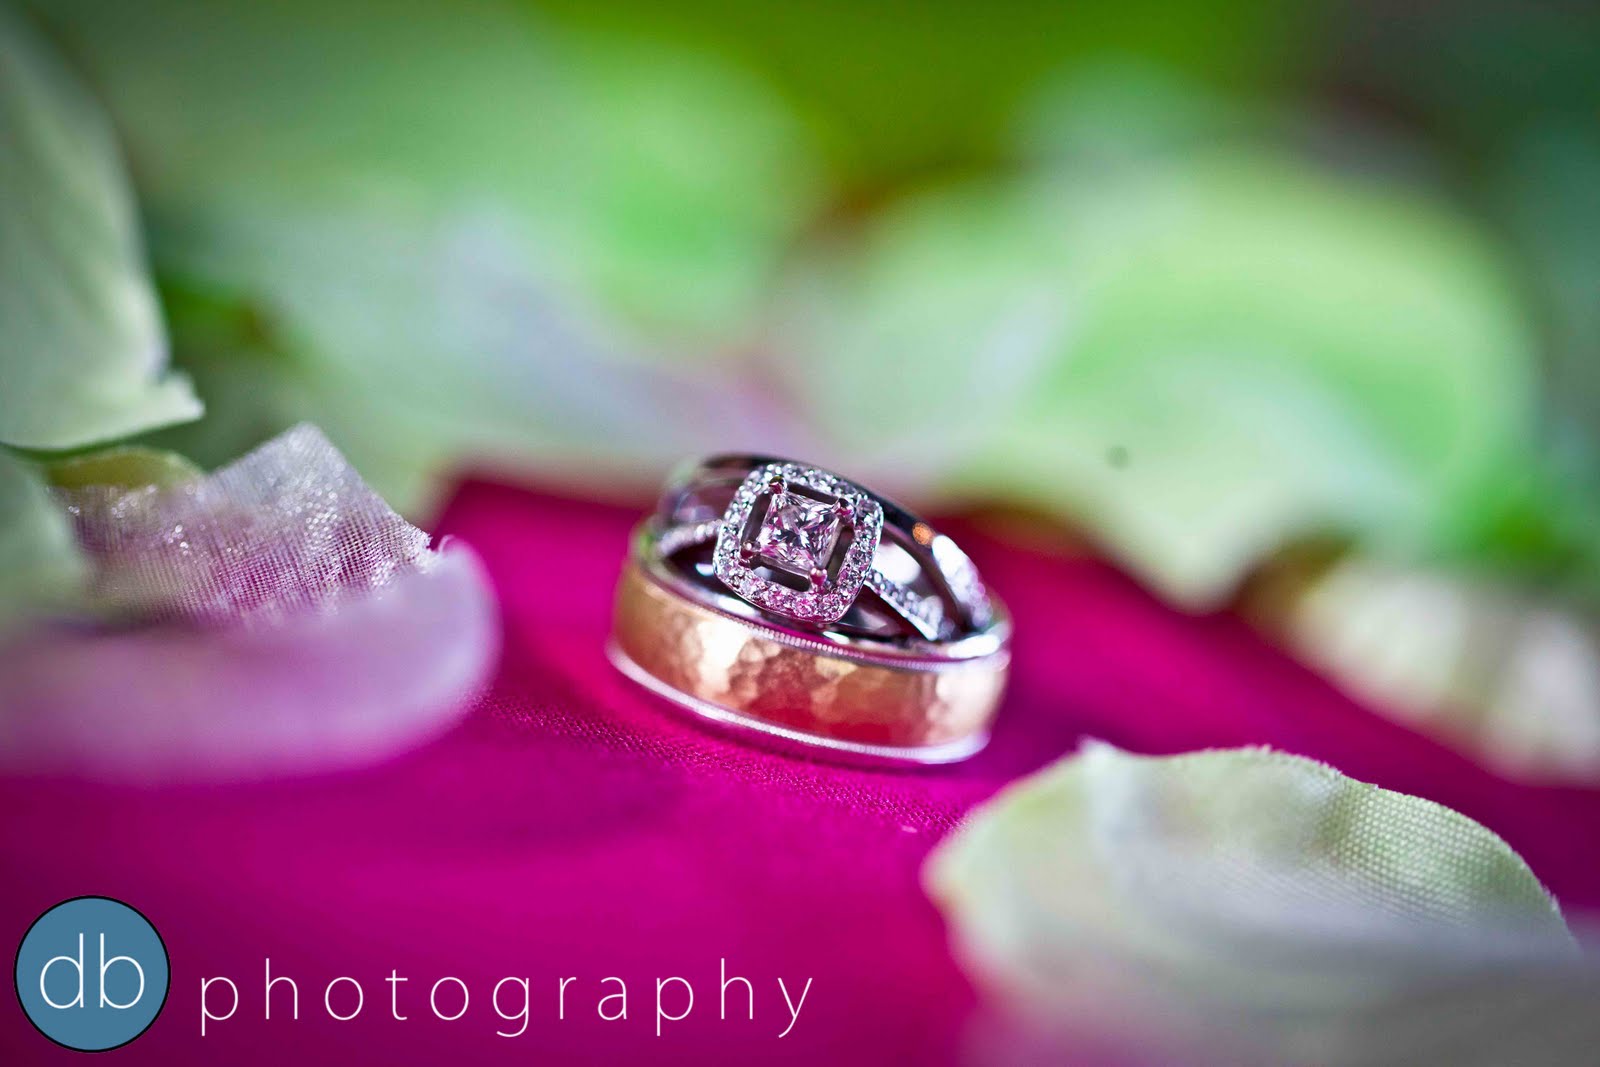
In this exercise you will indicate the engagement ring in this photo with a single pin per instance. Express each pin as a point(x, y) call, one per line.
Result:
point(786, 602)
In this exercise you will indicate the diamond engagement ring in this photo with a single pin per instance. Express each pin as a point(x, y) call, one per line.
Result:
point(789, 604)
point(803, 544)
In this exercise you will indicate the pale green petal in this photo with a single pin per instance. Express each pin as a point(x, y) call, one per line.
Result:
point(40, 567)
point(422, 341)
point(1197, 355)
point(1251, 899)
point(1509, 678)
point(463, 235)
point(127, 467)
point(655, 184)
point(83, 356)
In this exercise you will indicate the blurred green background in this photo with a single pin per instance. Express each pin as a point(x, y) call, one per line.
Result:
point(1241, 293)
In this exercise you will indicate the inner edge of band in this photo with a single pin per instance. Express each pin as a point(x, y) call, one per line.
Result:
point(930, 755)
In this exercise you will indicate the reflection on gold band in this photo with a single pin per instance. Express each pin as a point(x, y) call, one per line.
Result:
point(733, 665)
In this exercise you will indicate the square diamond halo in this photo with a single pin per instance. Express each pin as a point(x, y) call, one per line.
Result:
point(805, 513)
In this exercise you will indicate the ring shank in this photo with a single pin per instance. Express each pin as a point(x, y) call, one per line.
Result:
point(740, 673)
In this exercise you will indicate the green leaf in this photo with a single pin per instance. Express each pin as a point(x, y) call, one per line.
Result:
point(1547, 183)
point(83, 356)
point(1246, 897)
point(895, 95)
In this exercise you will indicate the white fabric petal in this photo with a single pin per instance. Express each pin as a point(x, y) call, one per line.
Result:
point(1250, 906)
point(275, 617)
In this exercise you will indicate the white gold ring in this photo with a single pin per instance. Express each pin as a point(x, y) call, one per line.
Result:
point(804, 544)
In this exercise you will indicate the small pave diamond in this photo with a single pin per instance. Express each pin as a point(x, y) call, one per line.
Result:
point(923, 612)
point(798, 533)
point(679, 538)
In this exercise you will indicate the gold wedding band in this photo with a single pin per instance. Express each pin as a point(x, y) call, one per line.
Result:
point(751, 677)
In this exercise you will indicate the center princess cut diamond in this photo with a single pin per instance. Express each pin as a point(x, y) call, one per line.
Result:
point(799, 533)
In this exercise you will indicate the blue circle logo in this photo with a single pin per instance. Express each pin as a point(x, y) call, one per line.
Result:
point(92, 974)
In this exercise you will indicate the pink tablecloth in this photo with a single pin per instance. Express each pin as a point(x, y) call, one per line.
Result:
point(573, 827)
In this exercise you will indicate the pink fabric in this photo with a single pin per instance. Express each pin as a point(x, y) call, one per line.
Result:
point(575, 826)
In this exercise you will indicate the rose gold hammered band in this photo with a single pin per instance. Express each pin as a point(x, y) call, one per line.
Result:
point(750, 677)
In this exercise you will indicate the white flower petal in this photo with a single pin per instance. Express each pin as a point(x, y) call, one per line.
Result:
point(277, 617)
point(83, 354)
point(1250, 903)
